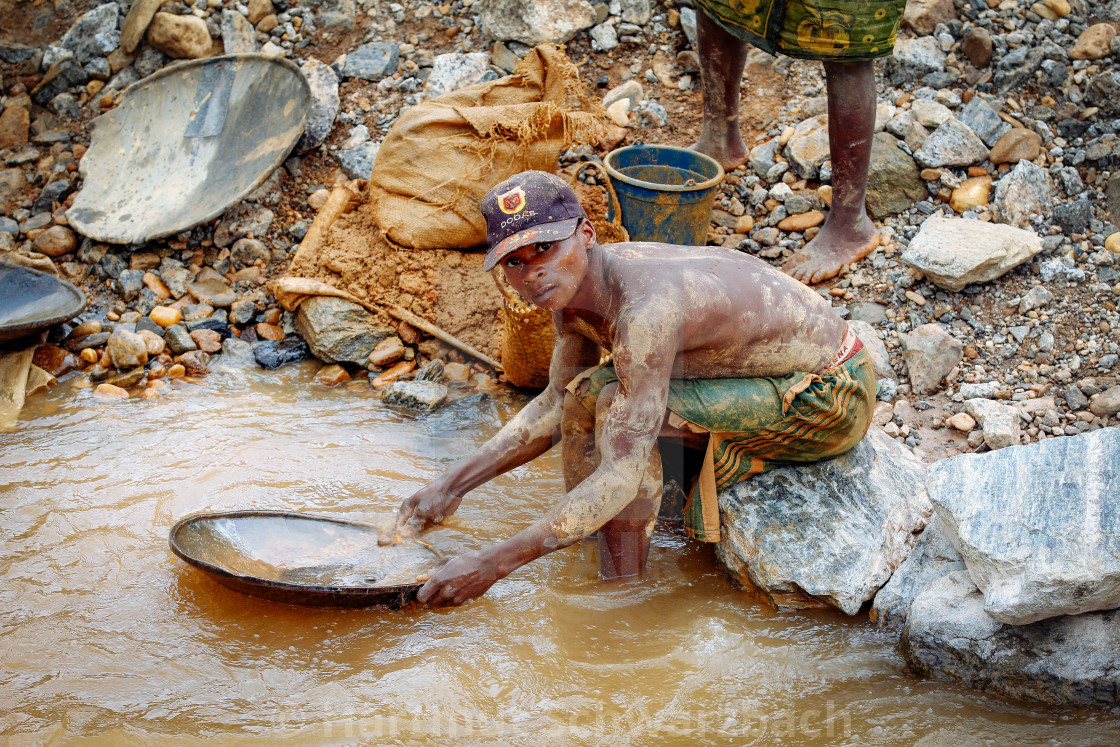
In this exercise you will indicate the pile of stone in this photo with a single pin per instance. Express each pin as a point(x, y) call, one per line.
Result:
point(1012, 585)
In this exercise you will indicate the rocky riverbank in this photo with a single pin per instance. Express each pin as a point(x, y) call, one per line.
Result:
point(989, 307)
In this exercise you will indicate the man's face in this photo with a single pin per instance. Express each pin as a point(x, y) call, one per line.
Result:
point(549, 274)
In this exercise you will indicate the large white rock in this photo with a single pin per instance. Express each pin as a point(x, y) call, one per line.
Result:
point(533, 22)
point(830, 533)
point(953, 252)
point(1063, 660)
point(1037, 525)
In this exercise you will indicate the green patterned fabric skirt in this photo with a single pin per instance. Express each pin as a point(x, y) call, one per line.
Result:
point(755, 425)
point(842, 30)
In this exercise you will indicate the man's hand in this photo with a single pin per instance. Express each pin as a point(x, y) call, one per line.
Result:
point(429, 505)
point(459, 580)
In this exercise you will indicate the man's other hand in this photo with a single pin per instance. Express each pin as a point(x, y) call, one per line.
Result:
point(427, 506)
point(459, 580)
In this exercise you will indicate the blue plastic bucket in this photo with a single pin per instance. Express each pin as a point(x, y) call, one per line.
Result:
point(665, 193)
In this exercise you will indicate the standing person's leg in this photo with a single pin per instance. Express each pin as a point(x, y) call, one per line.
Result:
point(847, 234)
point(722, 57)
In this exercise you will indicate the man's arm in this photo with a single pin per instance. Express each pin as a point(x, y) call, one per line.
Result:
point(643, 359)
point(529, 434)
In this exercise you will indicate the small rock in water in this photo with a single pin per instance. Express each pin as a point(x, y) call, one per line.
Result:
point(129, 379)
point(176, 371)
point(414, 395)
point(332, 375)
point(393, 373)
point(109, 392)
point(456, 372)
point(272, 354)
point(432, 371)
point(196, 362)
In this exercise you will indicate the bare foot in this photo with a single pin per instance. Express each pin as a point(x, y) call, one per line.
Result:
point(730, 155)
point(830, 250)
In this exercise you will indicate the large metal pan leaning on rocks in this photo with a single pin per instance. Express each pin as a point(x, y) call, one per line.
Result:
point(32, 300)
point(186, 143)
point(304, 559)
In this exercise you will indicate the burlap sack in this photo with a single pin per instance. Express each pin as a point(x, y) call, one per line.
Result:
point(442, 156)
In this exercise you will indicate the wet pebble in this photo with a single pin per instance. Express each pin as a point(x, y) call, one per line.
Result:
point(208, 340)
point(195, 362)
point(178, 339)
point(389, 350)
point(332, 375)
point(127, 349)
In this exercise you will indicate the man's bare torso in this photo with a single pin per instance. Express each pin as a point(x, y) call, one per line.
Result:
point(731, 314)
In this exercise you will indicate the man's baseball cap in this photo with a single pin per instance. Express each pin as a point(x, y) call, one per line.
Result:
point(528, 208)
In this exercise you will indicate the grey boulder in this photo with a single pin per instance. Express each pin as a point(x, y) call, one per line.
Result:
point(338, 331)
point(1063, 660)
point(825, 533)
point(1037, 525)
point(95, 34)
point(424, 396)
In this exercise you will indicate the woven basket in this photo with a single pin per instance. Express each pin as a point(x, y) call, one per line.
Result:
point(527, 337)
point(528, 334)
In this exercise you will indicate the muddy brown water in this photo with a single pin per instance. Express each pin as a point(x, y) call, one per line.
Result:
point(107, 638)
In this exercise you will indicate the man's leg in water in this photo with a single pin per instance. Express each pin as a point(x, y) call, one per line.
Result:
point(722, 57)
point(847, 234)
point(624, 540)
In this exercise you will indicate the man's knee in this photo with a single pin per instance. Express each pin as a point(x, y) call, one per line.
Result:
point(577, 419)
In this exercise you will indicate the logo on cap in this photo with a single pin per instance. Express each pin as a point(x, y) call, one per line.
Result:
point(512, 201)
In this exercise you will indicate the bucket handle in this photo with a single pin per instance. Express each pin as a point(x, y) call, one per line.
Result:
point(614, 210)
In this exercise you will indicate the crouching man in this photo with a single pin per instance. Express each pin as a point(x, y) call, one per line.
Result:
point(711, 349)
